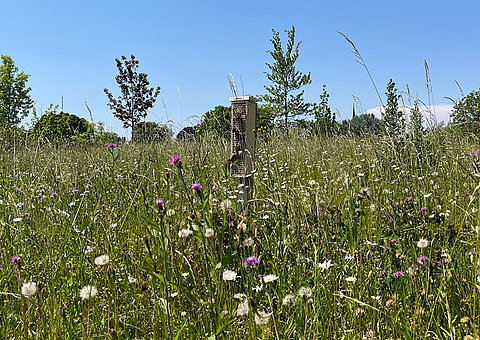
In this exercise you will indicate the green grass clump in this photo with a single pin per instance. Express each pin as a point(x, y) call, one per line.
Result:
point(345, 238)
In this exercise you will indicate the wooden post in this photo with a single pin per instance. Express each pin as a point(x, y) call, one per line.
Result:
point(242, 147)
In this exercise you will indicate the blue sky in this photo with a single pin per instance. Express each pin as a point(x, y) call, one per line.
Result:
point(190, 47)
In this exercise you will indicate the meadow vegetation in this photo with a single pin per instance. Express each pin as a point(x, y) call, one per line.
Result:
point(345, 237)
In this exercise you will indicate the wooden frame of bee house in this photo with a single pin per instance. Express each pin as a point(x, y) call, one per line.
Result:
point(242, 146)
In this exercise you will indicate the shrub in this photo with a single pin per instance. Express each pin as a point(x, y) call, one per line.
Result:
point(60, 127)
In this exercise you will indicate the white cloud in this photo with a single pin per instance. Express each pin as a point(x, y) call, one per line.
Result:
point(439, 113)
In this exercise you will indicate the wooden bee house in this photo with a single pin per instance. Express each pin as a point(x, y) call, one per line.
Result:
point(242, 136)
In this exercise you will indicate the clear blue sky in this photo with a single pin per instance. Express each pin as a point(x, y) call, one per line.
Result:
point(69, 48)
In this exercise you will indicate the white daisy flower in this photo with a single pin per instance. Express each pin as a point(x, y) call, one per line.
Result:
point(325, 265)
point(270, 278)
point(351, 279)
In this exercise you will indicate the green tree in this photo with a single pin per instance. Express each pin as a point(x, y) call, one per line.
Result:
point(136, 96)
point(15, 101)
point(216, 121)
point(265, 116)
point(393, 118)
point(151, 132)
point(62, 127)
point(466, 112)
point(324, 118)
point(102, 137)
point(364, 124)
point(285, 79)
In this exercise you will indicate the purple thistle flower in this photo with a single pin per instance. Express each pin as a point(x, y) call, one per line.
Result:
point(259, 277)
point(176, 161)
point(112, 145)
point(74, 191)
point(53, 194)
point(251, 261)
point(159, 203)
point(15, 259)
point(88, 186)
point(421, 259)
point(398, 274)
point(475, 153)
point(196, 187)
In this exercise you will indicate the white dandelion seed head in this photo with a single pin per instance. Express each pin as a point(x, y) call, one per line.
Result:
point(243, 308)
point(289, 300)
point(262, 318)
point(305, 292)
point(209, 232)
point(170, 212)
point(229, 275)
point(102, 260)
point(88, 292)
point(422, 243)
point(226, 204)
point(248, 242)
point(184, 233)
point(29, 289)
point(131, 279)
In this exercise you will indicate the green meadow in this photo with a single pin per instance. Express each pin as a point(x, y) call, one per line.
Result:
point(343, 238)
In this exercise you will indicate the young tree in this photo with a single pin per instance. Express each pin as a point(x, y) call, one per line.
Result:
point(15, 101)
point(136, 97)
point(324, 122)
point(393, 118)
point(286, 79)
point(416, 121)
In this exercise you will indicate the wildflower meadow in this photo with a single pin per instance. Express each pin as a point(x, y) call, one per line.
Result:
point(343, 238)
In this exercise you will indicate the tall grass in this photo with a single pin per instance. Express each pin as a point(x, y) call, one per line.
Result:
point(335, 225)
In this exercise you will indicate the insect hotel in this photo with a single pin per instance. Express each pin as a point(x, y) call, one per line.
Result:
point(242, 146)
